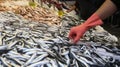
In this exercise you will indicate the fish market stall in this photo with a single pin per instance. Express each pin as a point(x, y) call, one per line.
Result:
point(43, 42)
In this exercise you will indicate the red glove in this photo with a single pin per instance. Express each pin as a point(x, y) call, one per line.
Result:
point(77, 32)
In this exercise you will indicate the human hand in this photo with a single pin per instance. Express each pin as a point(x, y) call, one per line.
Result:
point(77, 32)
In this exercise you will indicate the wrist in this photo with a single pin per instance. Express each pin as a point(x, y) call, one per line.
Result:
point(84, 26)
point(93, 20)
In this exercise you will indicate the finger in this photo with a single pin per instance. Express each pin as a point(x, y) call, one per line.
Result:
point(77, 38)
point(70, 35)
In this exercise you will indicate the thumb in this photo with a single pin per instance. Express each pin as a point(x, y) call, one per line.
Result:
point(77, 39)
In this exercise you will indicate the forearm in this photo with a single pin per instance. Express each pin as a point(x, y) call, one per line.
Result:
point(106, 10)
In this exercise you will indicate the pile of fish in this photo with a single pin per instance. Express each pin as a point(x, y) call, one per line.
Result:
point(26, 43)
point(96, 34)
point(38, 14)
point(41, 14)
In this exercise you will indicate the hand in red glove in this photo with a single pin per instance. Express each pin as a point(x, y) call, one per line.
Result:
point(77, 32)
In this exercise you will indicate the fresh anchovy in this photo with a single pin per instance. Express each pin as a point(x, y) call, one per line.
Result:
point(87, 61)
point(54, 55)
point(54, 64)
point(8, 39)
point(19, 57)
point(108, 54)
point(77, 65)
point(82, 61)
point(4, 49)
point(31, 59)
point(14, 64)
point(14, 60)
point(39, 58)
point(29, 43)
point(67, 60)
point(12, 44)
point(34, 49)
point(1, 39)
point(99, 61)
point(39, 63)
point(4, 62)
point(22, 36)
point(65, 53)
point(61, 65)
